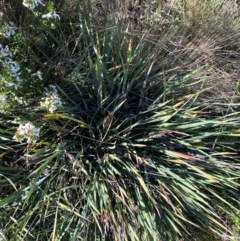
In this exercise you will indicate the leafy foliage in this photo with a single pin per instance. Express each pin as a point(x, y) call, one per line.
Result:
point(133, 153)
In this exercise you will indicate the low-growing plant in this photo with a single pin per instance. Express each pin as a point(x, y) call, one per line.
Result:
point(123, 149)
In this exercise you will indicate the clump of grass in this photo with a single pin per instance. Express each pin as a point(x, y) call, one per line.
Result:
point(133, 153)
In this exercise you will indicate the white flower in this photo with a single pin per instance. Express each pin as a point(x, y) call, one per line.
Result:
point(27, 131)
point(51, 15)
point(19, 100)
point(52, 108)
point(38, 74)
point(16, 76)
point(3, 102)
point(12, 65)
point(10, 84)
point(32, 3)
point(8, 61)
point(9, 29)
point(16, 83)
point(5, 52)
point(54, 89)
point(3, 99)
point(14, 68)
point(26, 4)
point(52, 101)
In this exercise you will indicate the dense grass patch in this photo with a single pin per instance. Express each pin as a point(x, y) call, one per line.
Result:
point(119, 121)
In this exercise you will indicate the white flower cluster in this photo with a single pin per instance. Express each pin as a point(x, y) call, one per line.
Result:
point(13, 66)
point(3, 102)
point(52, 101)
point(32, 4)
point(51, 15)
point(27, 131)
point(5, 52)
point(9, 29)
point(38, 74)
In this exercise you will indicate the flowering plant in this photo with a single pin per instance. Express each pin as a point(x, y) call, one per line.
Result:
point(129, 150)
point(52, 101)
point(32, 4)
point(9, 29)
point(16, 80)
point(27, 131)
point(24, 89)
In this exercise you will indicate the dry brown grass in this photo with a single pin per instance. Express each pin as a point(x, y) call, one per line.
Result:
point(192, 34)
point(189, 34)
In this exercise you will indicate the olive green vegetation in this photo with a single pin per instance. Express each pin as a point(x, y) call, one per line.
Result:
point(147, 144)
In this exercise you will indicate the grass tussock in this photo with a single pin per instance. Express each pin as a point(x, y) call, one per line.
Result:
point(142, 139)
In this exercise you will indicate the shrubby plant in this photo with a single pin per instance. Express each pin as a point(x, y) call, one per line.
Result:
point(124, 148)
point(32, 4)
point(17, 80)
